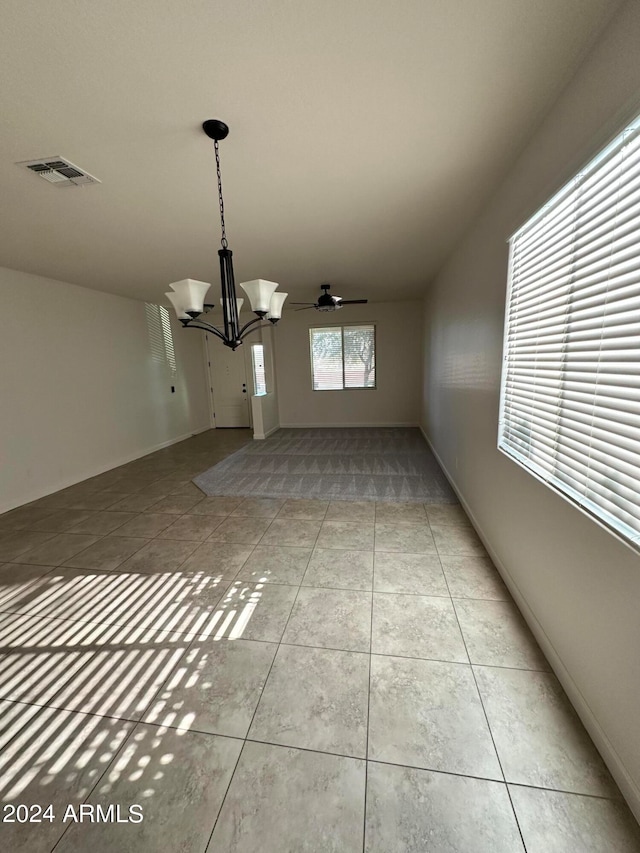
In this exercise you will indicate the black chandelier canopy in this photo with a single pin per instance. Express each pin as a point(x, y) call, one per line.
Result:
point(188, 296)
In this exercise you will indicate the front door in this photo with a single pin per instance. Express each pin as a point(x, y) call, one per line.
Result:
point(228, 373)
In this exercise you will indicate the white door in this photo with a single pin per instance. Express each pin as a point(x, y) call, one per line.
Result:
point(228, 373)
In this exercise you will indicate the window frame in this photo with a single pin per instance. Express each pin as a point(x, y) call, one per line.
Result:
point(253, 370)
point(342, 327)
point(555, 478)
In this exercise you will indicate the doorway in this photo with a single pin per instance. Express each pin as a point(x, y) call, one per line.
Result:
point(228, 384)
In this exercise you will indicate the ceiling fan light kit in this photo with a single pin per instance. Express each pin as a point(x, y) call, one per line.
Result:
point(327, 302)
point(188, 296)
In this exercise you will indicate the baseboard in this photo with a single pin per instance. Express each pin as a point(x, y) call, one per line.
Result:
point(346, 426)
point(64, 484)
point(263, 435)
point(626, 783)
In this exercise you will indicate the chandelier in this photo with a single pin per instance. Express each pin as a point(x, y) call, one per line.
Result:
point(188, 295)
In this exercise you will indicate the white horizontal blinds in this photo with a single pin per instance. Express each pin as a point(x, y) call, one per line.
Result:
point(161, 336)
point(326, 358)
point(570, 406)
point(167, 334)
point(259, 375)
point(343, 357)
point(359, 357)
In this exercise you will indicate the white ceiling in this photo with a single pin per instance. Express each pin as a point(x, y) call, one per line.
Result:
point(364, 133)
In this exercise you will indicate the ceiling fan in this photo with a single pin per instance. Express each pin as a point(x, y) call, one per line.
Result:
point(327, 302)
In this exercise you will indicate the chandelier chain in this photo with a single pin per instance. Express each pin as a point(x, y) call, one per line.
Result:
point(223, 241)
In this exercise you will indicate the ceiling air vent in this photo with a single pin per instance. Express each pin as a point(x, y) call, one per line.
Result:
point(58, 171)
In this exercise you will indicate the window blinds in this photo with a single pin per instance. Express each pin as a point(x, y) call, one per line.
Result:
point(259, 374)
point(359, 356)
point(570, 402)
point(326, 358)
point(161, 336)
point(342, 357)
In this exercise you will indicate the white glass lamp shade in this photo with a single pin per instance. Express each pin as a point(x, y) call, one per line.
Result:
point(239, 303)
point(275, 306)
point(190, 295)
point(174, 299)
point(259, 292)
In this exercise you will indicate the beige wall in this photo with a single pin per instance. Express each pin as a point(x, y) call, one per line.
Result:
point(80, 391)
point(395, 400)
point(578, 585)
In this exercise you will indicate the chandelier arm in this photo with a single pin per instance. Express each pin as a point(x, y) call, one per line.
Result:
point(251, 331)
point(247, 325)
point(199, 324)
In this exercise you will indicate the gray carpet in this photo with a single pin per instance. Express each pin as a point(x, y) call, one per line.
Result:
point(333, 464)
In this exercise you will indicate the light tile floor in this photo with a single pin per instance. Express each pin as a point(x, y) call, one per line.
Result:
point(269, 675)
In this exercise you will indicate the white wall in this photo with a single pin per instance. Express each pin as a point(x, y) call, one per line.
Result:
point(264, 408)
point(395, 400)
point(577, 584)
point(80, 391)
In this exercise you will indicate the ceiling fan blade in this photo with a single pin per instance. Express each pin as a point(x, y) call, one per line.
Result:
point(302, 309)
point(353, 301)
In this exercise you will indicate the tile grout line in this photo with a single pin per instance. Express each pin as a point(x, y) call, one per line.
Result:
point(318, 752)
point(270, 643)
point(159, 630)
point(116, 570)
point(190, 643)
point(255, 710)
point(106, 769)
point(134, 727)
point(279, 644)
point(158, 535)
point(234, 580)
point(484, 711)
point(223, 800)
point(366, 750)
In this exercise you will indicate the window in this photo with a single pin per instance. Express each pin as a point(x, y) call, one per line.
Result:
point(343, 357)
point(160, 336)
point(259, 375)
point(570, 403)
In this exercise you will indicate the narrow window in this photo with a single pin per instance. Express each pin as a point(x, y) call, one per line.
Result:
point(259, 375)
point(161, 336)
